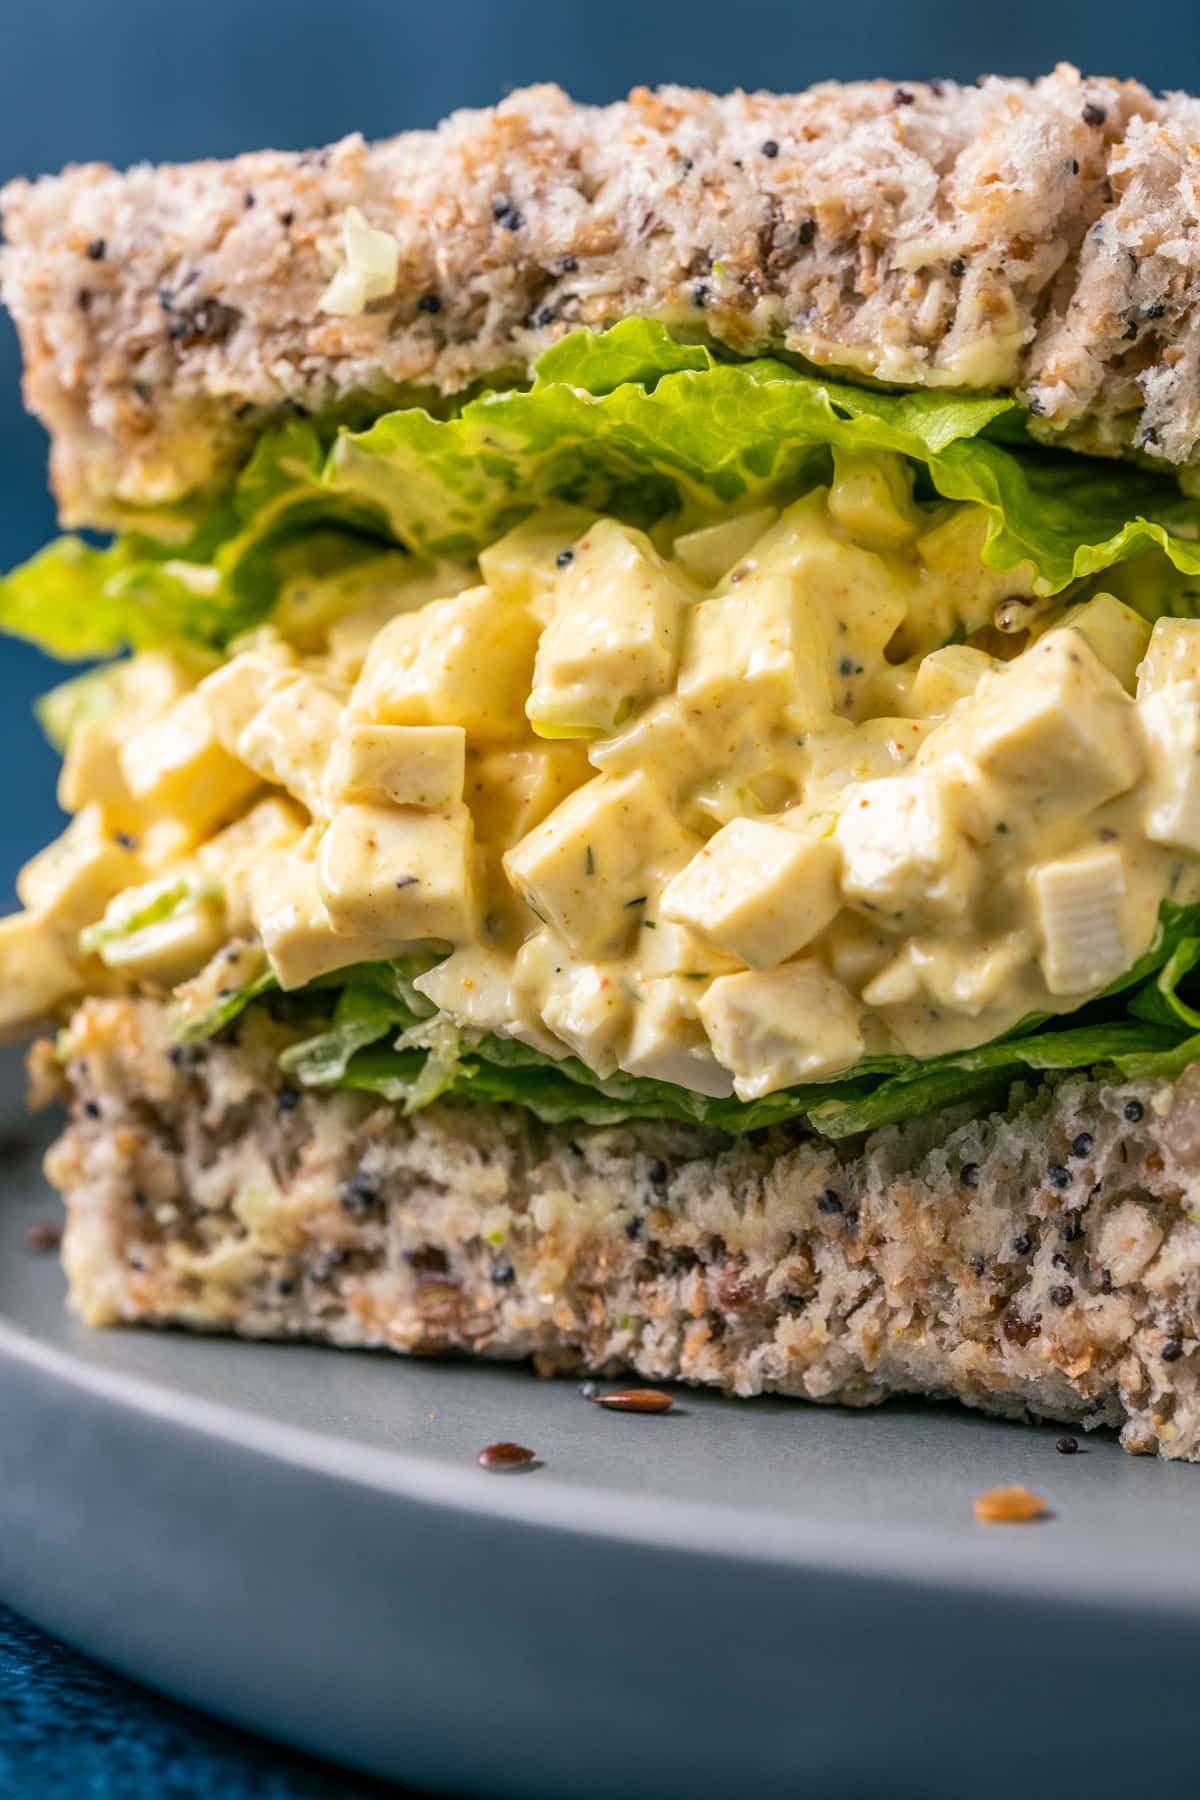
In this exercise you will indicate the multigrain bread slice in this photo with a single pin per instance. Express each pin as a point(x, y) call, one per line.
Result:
point(1040, 237)
point(1044, 1260)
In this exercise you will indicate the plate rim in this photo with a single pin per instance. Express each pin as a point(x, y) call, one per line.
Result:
point(544, 1501)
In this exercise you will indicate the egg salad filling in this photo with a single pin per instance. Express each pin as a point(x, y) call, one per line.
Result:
point(696, 759)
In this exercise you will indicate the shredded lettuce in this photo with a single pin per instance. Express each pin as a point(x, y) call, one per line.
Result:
point(382, 1038)
point(630, 421)
point(864, 1100)
point(361, 1017)
point(228, 1006)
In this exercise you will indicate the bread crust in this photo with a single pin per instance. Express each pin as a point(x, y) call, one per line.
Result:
point(1041, 237)
point(1044, 1260)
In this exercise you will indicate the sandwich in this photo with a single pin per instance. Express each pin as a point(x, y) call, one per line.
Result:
point(638, 805)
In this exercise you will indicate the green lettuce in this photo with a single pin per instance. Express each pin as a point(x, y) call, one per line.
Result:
point(229, 1005)
point(163, 902)
point(630, 421)
point(362, 1015)
point(370, 1030)
point(77, 600)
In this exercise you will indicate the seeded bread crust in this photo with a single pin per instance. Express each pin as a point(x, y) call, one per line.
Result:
point(1039, 237)
point(1045, 1260)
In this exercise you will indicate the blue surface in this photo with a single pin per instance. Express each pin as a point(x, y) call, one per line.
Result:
point(135, 79)
point(70, 1730)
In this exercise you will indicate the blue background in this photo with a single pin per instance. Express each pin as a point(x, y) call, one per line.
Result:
point(125, 80)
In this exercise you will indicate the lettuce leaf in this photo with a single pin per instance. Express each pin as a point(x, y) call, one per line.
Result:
point(77, 600)
point(227, 1007)
point(631, 421)
point(635, 423)
point(361, 1017)
point(561, 1092)
point(1126, 1030)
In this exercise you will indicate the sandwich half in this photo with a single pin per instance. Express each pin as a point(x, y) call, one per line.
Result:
point(639, 807)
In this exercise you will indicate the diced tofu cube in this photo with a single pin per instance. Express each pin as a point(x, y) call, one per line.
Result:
point(588, 1010)
point(1170, 717)
point(1173, 654)
point(396, 765)
point(665, 948)
point(176, 765)
point(235, 692)
point(586, 1006)
point(473, 984)
point(762, 645)
point(857, 950)
point(523, 566)
point(73, 879)
point(122, 694)
point(834, 759)
point(972, 977)
point(946, 676)
point(272, 823)
point(162, 843)
point(896, 985)
point(613, 641)
point(906, 861)
point(369, 596)
point(1080, 905)
point(757, 891)
point(709, 553)
point(1054, 730)
point(143, 687)
point(234, 856)
point(36, 973)
point(94, 713)
point(91, 774)
point(890, 691)
point(871, 498)
point(860, 598)
point(294, 925)
point(511, 791)
point(963, 977)
point(957, 589)
point(668, 1043)
point(587, 868)
point(290, 738)
point(659, 741)
point(466, 661)
point(1116, 634)
point(774, 1030)
point(398, 875)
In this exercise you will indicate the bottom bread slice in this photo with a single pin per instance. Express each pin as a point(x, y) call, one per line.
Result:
point(1044, 1260)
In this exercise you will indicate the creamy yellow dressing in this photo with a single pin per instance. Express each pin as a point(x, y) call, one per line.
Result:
point(730, 810)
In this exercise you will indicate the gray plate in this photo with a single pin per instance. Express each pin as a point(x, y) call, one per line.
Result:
point(751, 1599)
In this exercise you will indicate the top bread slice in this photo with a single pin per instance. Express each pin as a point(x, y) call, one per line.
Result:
point(1041, 238)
